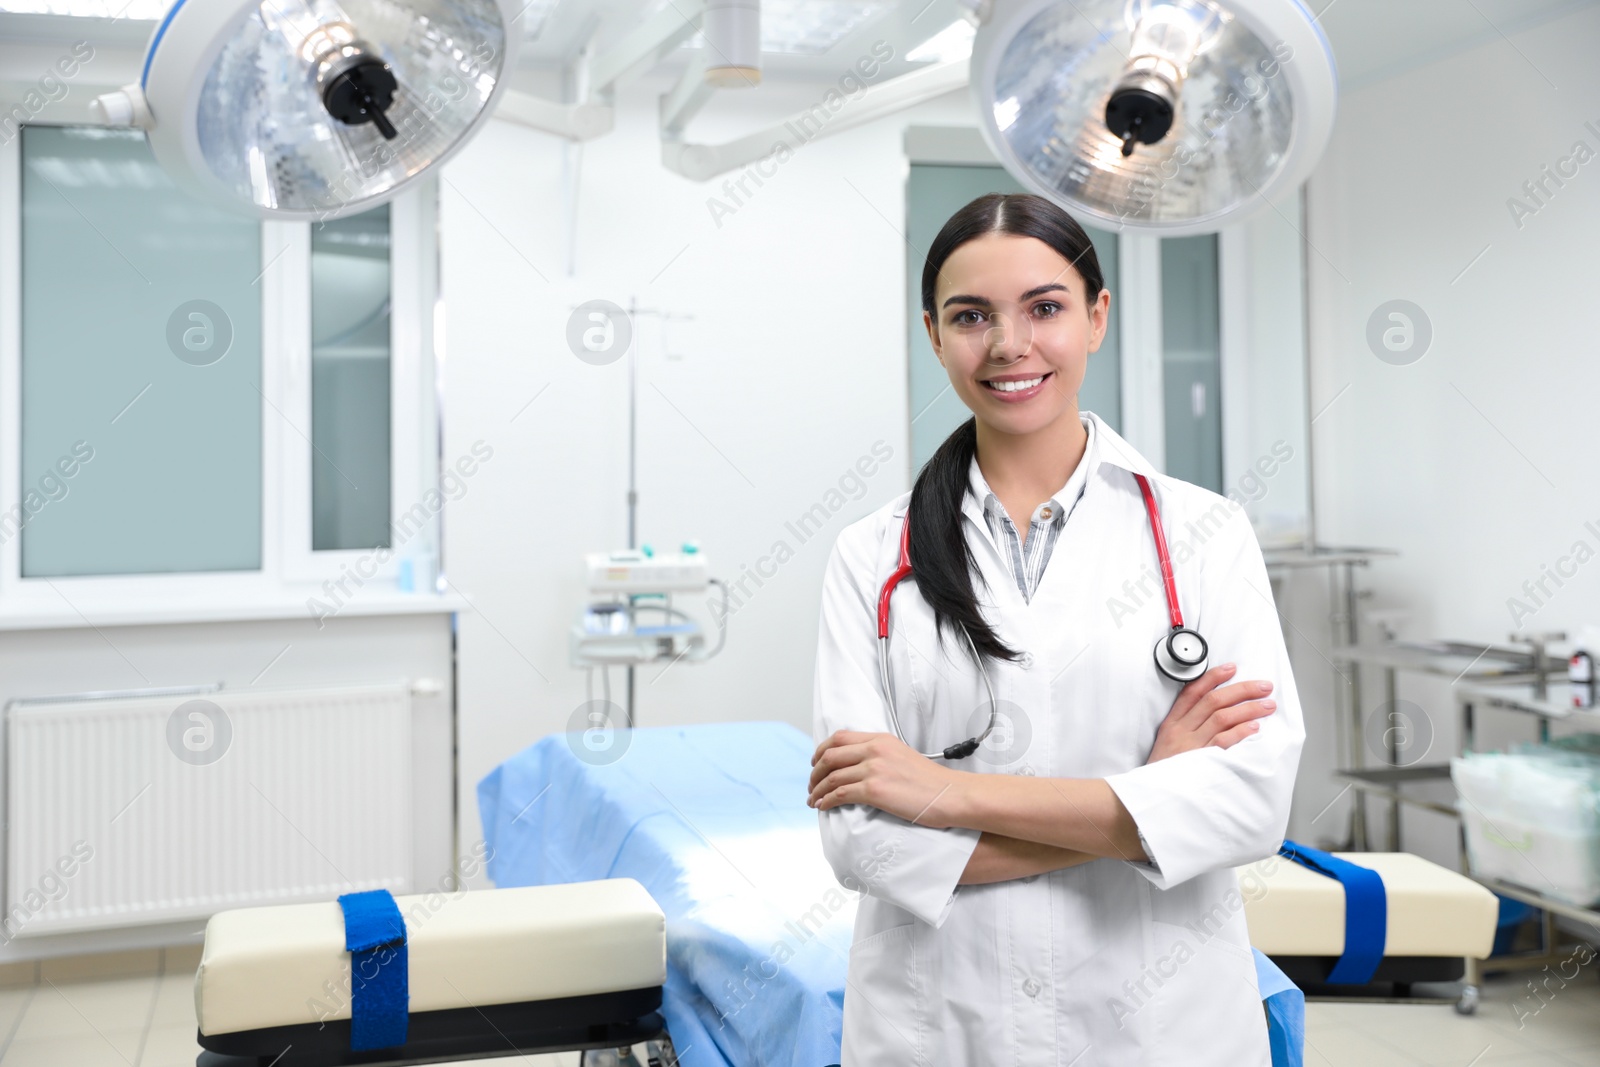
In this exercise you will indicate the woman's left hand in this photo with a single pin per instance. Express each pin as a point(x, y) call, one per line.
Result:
point(854, 767)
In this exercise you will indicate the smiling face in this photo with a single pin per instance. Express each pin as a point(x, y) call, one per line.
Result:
point(1014, 330)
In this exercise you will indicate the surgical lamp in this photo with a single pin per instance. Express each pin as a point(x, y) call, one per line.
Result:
point(1163, 115)
point(301, 109)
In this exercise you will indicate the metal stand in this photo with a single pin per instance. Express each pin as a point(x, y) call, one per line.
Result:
point(1463, 663)
point(1342, 594)
point(1512, 678)
point(633, 473)
point(634, 311)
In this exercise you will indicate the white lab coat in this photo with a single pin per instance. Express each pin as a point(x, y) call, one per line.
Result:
point(1109, 962)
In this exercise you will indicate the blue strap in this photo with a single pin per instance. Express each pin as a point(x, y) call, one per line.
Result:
point(380, 994)
point(1286, 1013)
point(1366, 911)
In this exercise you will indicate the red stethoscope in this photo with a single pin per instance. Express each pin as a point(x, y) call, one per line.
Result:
point(1180, 655)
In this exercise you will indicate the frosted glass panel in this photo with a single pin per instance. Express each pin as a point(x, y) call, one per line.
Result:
point(141, 366)
point(1192, 359)
point(350, 382)
point(933, 194)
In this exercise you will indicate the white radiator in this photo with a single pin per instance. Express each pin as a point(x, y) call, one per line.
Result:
point(138, 809)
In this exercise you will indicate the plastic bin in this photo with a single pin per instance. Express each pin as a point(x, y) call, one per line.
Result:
point(1532, 818)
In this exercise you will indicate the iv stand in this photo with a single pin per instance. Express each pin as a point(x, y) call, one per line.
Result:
point(633, 448)
point(634, 311)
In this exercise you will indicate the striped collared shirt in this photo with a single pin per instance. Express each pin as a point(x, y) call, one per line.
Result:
point(1025, 560)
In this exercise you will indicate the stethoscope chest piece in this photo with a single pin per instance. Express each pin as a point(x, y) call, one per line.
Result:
point(1181, 655)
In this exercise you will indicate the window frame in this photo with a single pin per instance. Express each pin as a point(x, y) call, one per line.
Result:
point(291, 573)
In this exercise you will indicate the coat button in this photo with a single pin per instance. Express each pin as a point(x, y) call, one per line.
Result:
point(1026, 769)
point(1026, 661)
point(1031, 878)
point(1030, 987)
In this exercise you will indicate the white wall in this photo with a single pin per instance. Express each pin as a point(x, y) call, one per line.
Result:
point(792, 367)
point(1264, 371)
point(1476, 461)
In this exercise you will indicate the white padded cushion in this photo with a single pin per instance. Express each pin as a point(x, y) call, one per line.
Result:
point(286, 965)
point(1292, 911)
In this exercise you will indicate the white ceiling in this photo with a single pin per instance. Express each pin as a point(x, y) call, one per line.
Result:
point(1371, 39)
point(1376, 39)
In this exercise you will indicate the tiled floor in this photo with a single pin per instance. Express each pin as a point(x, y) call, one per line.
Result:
point(1512, 1028)
point(137, 1010)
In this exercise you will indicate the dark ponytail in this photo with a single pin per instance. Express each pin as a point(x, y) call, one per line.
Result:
point(940, 556)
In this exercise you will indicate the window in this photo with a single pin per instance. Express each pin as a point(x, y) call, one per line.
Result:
point(350, 382)
point(197, 407)
point(141, 366)
point(1191, 359)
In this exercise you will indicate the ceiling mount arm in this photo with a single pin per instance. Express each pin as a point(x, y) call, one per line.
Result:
point(688, 96)
point(646, 46)
point(701, 162)
point(905, 27)
point(576, 122)
point(729, 58)
point(632, 57)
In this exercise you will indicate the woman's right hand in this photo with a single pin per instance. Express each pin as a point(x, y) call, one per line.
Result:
point(1209, 713)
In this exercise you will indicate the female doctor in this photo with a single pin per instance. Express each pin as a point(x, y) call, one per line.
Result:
point(1061, 892)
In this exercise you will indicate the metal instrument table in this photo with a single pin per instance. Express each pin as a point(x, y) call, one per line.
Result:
point(1461, 662)
point(1502, 678)
point(1341, 562)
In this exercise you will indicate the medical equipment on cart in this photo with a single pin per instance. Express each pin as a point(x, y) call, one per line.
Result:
point(611, 632)
point(1580, 666)
point(1180, 655)
point(638, 623)
point(1580, 675)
